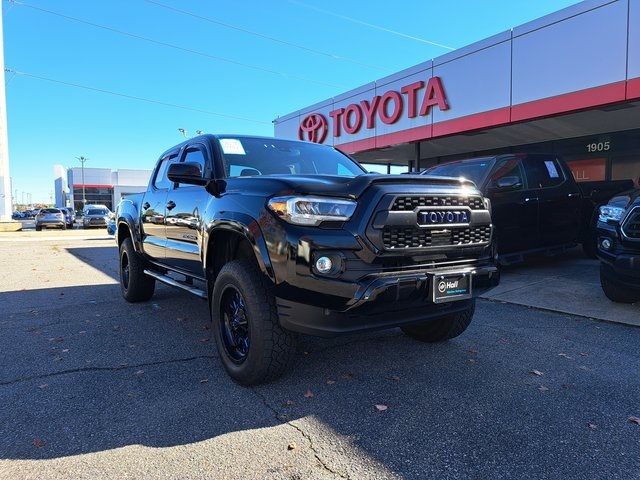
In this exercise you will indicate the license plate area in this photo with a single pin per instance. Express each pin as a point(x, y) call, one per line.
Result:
point(449, 287)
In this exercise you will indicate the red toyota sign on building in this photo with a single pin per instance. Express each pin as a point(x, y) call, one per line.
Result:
point(414, 99)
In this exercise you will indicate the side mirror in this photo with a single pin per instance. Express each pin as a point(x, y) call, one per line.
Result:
point(186, 172)
point(506, 183)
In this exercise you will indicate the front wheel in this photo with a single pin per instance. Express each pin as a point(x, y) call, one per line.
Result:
point(135, 285)
point(253, 347)
point(615, 291)
point(443, 328)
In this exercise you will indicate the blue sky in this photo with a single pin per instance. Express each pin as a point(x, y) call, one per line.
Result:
point(52, 124)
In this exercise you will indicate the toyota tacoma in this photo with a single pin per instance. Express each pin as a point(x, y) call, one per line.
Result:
point(285, 237)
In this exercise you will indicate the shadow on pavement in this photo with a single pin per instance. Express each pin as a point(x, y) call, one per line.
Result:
point(100, 374)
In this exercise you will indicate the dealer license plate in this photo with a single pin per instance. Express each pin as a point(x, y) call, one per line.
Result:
point(451, 287)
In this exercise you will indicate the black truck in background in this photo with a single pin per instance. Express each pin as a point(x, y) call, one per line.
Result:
point(537, 206)
point(285, 237)
point(619, 247)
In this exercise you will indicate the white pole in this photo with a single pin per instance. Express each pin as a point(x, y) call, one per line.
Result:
point(5, 181)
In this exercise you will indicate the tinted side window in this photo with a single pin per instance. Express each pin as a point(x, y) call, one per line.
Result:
point(543, 172)
point(161, 180)
point(508, 168)
point(194, 155)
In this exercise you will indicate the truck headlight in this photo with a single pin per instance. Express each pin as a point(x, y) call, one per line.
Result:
point(312, 210)
point(608, 212)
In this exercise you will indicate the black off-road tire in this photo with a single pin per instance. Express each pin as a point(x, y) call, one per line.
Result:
point(441, 329)
point(272, 349)
point(135, 285)
point(615, 291)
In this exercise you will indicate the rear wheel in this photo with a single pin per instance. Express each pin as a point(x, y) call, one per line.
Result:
point(64, 226)
point(38, 228)
point(253, 347)
point(135, 285)
point(444, 328)
point(616, 291)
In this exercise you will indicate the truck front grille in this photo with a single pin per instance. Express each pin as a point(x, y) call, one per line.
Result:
point(411, 202)
point(631, 226)
point(395, 238)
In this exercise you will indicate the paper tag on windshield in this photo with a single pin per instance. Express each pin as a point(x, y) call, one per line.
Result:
point(232, 146)
point(551, 168)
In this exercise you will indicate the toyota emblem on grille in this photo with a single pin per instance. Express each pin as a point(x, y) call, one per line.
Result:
point(313, 128)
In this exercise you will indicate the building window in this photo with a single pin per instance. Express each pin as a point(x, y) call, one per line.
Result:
point(588, 170)
point(93, 195)
point(626, 168)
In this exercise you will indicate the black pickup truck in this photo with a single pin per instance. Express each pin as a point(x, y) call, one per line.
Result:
point(536, 203)
point(619, 247)
point(285, 237)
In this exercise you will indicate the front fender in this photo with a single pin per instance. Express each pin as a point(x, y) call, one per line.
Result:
point(127, 214)
point(246, 226)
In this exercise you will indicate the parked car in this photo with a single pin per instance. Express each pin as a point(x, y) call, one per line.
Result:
point(619, 247)
point(111, 226)
point(537, 205)
point(50, 217)
point(17, 216)
point(95, 216)
point(70, 216)
point(286, 237)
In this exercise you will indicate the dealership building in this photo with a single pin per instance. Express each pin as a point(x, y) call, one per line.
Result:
point(567, 83)
point(100, 185)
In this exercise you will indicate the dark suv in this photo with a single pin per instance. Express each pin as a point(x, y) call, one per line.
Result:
point(619, 247)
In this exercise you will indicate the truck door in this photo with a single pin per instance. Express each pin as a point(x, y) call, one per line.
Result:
point(514, 207)
point(152, 210)
point(185, 204)
point(559, 198)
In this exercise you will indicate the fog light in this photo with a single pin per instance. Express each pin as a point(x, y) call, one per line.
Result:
point(605, 243)
point(324, 265)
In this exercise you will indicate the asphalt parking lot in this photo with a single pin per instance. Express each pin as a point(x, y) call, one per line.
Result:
point(92, 387)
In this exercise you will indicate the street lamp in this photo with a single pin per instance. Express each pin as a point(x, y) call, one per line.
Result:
point(199, 132)
point(183, 132)
point(84, 198)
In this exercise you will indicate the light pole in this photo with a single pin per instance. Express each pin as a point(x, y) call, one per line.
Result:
point(183, 132)
point(84, 198)
point(199, 132)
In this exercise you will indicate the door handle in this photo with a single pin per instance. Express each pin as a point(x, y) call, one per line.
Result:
point(171, 205)
point(146, 205)
point(530, 199)
point(572, 195)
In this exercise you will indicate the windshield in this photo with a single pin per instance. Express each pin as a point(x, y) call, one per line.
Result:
point(475, 170)
point(249, 156)
point(97, 211)
point(50, 210)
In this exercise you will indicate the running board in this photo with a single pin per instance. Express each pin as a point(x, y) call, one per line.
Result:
point(175, 283)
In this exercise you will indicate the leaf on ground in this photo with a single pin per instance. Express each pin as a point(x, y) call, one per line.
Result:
point(380, 407)
point(204, 340)
point(139, 372)
point(395, 378)
point(43, 386)
point(542, 388)
point(38, 442)
point(472, 360)
point(204, 380)
point(564, 355)
point(308, 394)
point(180, 319)
point(347, 376)
point(473, 350)
point(537, 372)
point(289, 403)
point(583, 354)
point(635, 420)
point(65, 350)
point(292, 446)
point(592, 425)
point(330, 381)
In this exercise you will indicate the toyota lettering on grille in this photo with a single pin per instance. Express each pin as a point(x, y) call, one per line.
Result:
point(443, 217)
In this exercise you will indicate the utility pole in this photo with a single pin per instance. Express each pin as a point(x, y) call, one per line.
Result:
point(84, 198)
point(5, 185)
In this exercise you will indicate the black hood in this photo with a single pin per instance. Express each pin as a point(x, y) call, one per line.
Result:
point(626, 199)
point(334, 185)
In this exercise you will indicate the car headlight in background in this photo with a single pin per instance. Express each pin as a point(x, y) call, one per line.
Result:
point(312, 210)
point(608, 212)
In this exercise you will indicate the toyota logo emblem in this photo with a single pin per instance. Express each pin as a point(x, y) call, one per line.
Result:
point(313, 128)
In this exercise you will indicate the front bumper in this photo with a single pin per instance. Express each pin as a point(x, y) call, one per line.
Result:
point(382, 301)
point(50, 223)
point(623, 258)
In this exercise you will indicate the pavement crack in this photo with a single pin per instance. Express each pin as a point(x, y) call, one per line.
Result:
point(302, 432)
point(101, 369)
